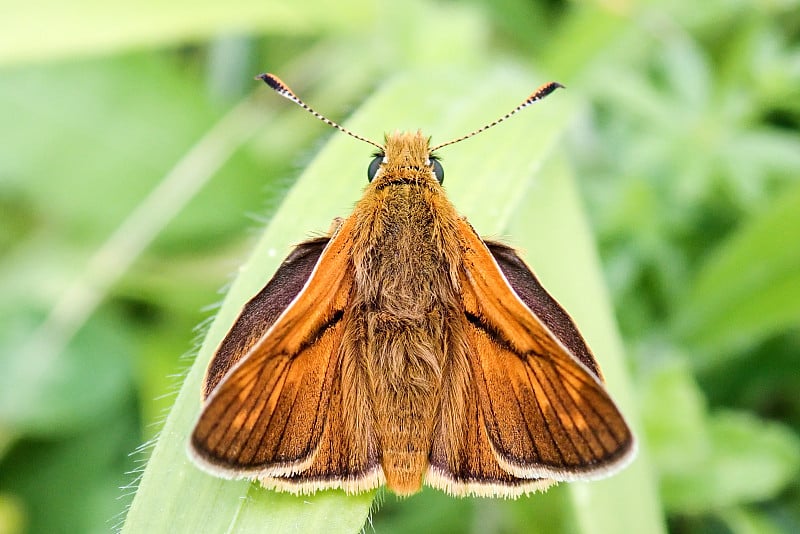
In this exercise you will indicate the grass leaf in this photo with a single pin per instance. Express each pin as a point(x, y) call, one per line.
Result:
point(751, 286)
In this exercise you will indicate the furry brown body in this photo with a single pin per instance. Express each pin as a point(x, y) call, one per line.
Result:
point(407, 293)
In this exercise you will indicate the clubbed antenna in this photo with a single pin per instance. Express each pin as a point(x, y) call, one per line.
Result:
point(538, 94)
point(282, 89)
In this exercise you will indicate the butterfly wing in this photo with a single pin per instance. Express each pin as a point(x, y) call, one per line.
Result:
point(543, 306)
point(536, 406)
point(260, 313)
point(275, 414)
point(463, 461)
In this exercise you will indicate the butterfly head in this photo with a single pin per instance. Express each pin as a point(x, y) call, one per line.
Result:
point(405, 158)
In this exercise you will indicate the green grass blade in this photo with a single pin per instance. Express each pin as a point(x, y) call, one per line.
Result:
point(551, 229)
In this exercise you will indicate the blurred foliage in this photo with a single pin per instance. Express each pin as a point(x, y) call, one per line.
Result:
point(687, 154)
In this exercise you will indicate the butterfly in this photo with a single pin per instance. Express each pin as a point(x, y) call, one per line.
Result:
point(403, 350)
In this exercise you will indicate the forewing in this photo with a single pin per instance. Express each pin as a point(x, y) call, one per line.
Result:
point(260, 313)
point(267, 416)
point(348, 455)
point(544, 307)
point(546, 412)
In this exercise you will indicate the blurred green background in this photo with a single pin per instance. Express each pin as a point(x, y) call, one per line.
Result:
point(139, 162)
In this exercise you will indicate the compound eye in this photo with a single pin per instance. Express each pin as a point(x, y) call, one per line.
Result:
point(374, 166)
point(438, 171)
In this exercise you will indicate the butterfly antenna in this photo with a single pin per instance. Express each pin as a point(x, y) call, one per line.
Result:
point(282, 89)
point(537, 95)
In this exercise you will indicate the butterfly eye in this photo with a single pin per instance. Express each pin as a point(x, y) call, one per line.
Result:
point(438, 171)
point(374, 166)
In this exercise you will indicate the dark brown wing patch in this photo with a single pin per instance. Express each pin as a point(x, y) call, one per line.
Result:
point(259, 314)
point(527, 287)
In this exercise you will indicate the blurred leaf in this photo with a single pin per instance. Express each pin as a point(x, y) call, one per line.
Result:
point(707, 462)
point(12, 517)
point(64, 484)
point(687, 73)
point(92, 26)
point(144, 114)
point(434, 511)
point(751, 460)
point(755, 459)
point(552, 512)
point(675, 420)
point(74, 389)
point(429, 511)
point(755, 154)
point(72, 197)
point(581, 39)
point(744, 520)
point(750, 288)
point(764, 381)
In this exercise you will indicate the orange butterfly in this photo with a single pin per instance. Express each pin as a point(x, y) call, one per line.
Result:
point(401, 349)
